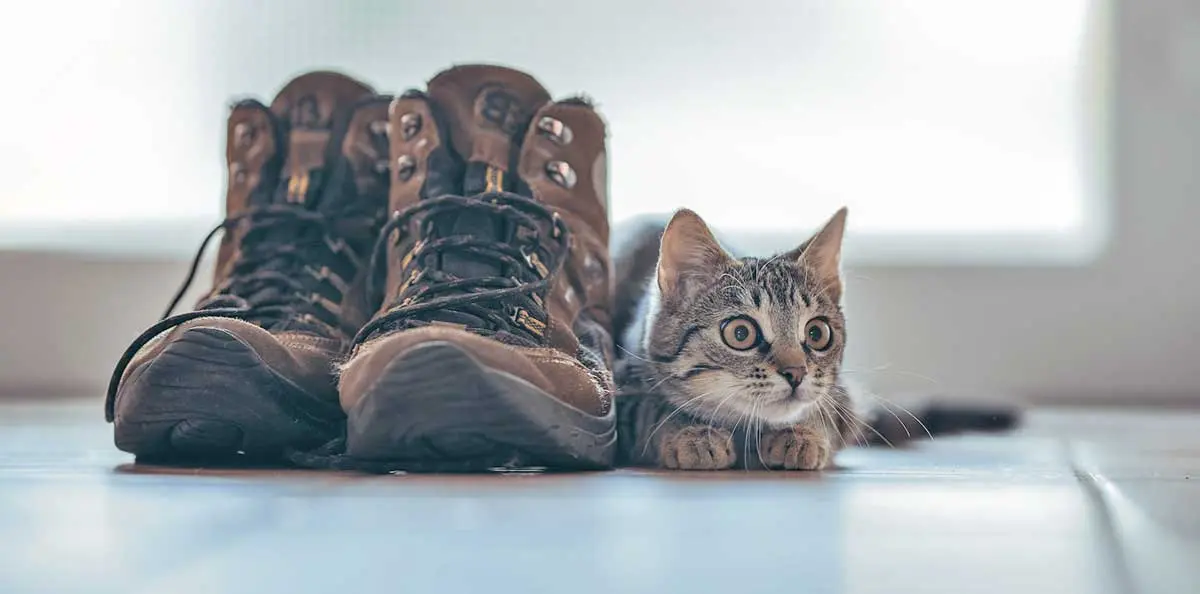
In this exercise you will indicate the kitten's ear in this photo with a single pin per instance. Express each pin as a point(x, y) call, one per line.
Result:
point(688, 252)
point(823, 253)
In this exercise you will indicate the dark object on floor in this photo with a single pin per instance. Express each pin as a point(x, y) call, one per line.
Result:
point(898, 426)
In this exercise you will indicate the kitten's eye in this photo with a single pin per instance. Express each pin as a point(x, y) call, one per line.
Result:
point(817, 334)
point(740, 333)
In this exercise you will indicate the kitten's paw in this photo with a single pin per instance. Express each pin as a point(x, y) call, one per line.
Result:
point(697, 448)
point(800, 448)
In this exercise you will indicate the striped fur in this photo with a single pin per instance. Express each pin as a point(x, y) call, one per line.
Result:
point(685, 398)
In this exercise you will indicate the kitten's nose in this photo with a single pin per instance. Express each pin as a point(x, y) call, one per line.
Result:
point(793, 375)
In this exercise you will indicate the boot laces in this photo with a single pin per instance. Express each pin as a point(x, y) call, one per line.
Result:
point(509, 307)
point(273, 283)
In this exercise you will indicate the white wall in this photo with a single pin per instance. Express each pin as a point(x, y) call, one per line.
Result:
point(1125, 326)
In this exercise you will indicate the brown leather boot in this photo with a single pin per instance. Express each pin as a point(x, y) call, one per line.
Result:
point(491, 346)
point(252, 369)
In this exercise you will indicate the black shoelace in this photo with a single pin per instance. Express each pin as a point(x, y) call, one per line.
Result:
point(512, 305)
point(265, 285)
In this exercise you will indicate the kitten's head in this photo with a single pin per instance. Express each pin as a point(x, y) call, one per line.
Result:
point(757, 339)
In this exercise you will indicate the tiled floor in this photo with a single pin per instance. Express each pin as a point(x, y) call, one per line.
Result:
point(1076, 501)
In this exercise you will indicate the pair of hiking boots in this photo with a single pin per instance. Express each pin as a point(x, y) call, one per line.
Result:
point(419, 282)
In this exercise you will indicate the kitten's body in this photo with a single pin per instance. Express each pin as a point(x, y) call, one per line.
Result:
point(689, 395)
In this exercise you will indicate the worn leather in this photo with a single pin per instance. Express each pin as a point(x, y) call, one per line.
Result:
point(304, 360)
point(484, 124)
point(550, 370)
point(583, 292)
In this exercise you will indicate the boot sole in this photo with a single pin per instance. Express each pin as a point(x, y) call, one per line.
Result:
point(436, 408)
point(208, 396)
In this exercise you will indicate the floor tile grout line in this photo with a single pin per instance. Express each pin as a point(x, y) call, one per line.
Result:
point(1112, 539)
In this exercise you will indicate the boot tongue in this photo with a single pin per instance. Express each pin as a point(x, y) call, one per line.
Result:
point(487, 110)
point(311, 105)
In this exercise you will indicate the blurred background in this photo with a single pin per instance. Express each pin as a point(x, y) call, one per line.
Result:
point(1021, 175)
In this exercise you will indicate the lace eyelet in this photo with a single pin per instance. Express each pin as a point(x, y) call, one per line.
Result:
point(521, 317)
point(561, 173)
point(410, 125)
point(325, 275)
point(556, 225)
point(243, 135)
point(555, 130)
point(406, 166)
point(411, 254)
point(535, 263)
point(336, 246)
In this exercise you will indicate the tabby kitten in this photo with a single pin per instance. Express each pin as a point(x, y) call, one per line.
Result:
point(726, 362)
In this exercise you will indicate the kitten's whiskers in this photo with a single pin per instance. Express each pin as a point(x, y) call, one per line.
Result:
point(885, 402)
point(887, 367)
point(758, 431)
point(678, 409)
point(633, 354)
point(826, 419)
point(660, 382)
point(854, 421)
point(713, 417)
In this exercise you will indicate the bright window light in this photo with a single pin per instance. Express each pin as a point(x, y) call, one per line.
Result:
point(926, 117)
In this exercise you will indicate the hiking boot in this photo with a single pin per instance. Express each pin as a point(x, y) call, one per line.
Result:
point(491, 346)
point(251, 370)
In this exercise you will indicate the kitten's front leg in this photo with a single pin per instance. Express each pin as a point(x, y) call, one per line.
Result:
point(696, 447)
point(655, 432)
point(802, 447)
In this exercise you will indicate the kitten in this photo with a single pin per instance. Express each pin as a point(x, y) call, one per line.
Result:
point(726, 361)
